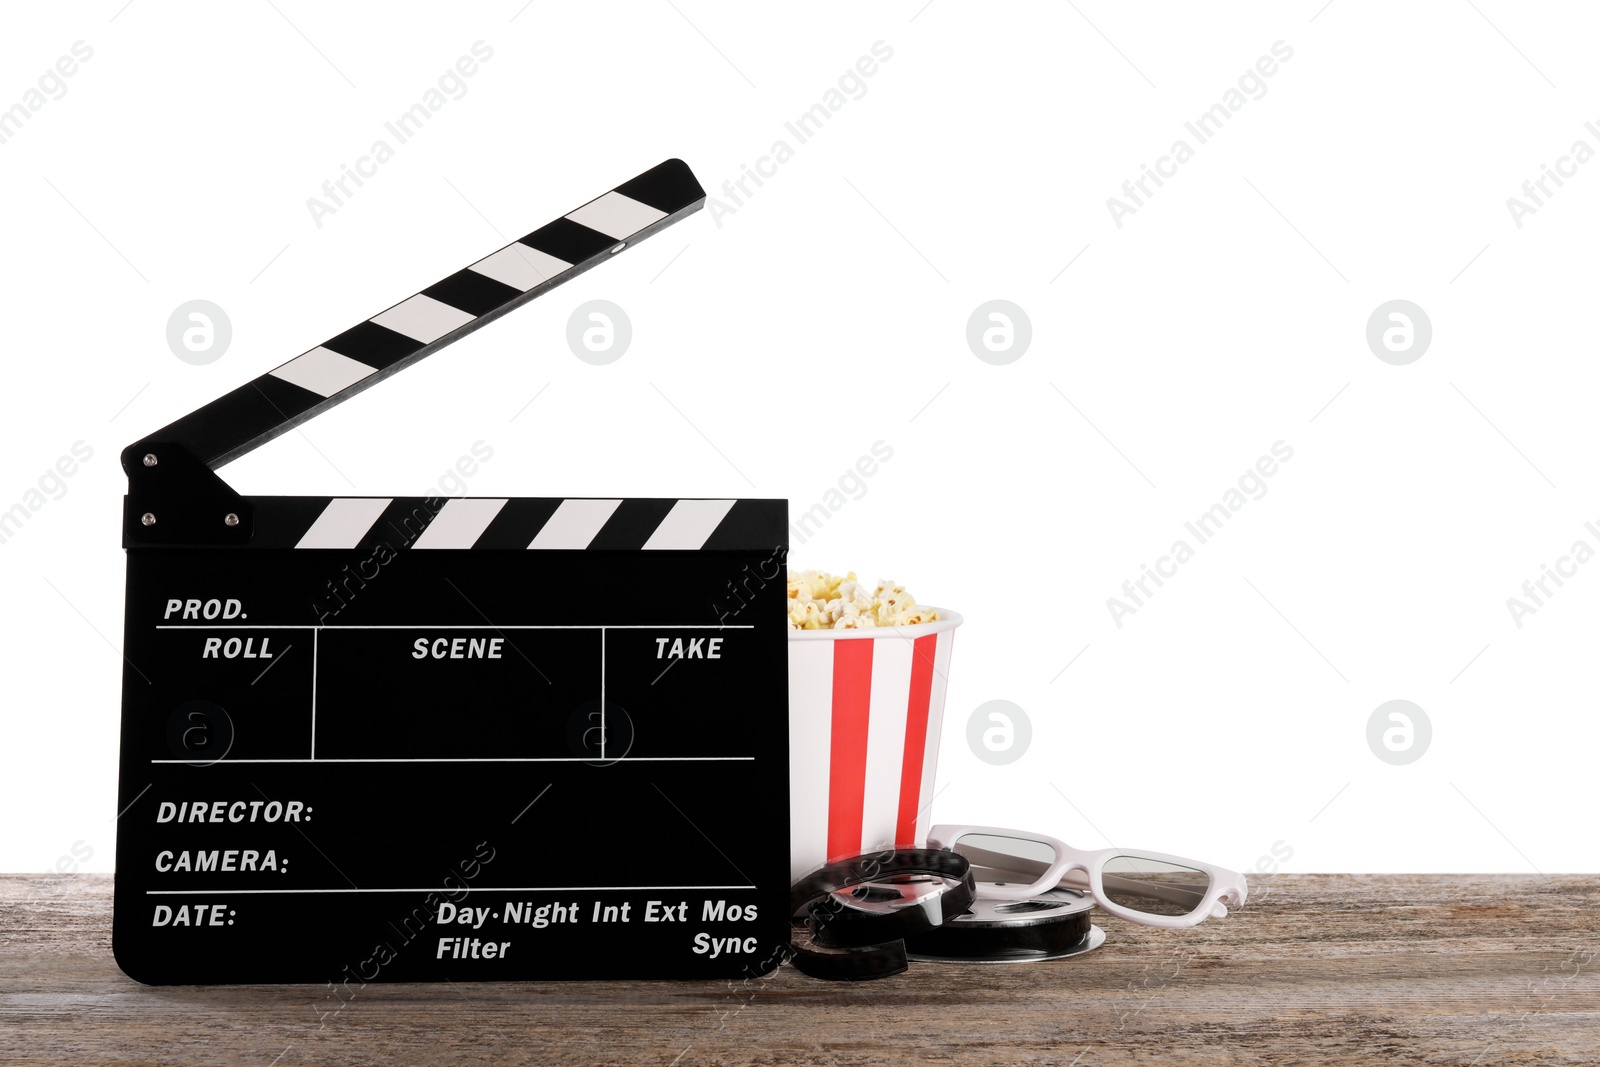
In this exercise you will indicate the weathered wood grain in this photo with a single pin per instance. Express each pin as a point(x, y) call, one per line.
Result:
point(1318, 969)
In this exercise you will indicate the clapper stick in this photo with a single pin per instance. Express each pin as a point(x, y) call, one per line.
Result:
point(175, 496)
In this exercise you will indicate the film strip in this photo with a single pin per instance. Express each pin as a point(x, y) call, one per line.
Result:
point(851, 942)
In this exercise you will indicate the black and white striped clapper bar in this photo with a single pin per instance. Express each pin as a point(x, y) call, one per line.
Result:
point(401, 739)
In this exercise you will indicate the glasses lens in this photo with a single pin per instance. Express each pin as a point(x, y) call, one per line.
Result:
point(1015, 860)
point(1153, 886)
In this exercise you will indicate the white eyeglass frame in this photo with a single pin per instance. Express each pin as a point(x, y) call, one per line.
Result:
point(1079, 870)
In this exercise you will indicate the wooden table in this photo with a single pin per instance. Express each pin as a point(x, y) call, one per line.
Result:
point(1318, 969)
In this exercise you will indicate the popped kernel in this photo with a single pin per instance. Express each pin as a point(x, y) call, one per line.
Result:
point(822, 601)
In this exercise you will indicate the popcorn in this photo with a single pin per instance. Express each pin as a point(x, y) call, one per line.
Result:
point(822, 601)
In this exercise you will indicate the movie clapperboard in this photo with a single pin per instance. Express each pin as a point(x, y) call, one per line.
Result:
point(370, 739)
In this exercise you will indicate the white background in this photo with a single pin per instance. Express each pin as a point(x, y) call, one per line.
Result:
point(775, 343)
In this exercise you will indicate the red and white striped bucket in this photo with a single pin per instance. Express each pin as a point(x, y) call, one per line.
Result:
point(865, 711)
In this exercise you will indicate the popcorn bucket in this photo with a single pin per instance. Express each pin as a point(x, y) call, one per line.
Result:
point(865, 710)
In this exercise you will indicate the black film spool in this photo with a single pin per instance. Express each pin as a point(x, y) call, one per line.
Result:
point(1050, 926)
point(883, 953)
point(877, 912)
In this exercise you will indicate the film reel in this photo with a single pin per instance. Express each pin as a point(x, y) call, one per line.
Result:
point(1052, 926)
